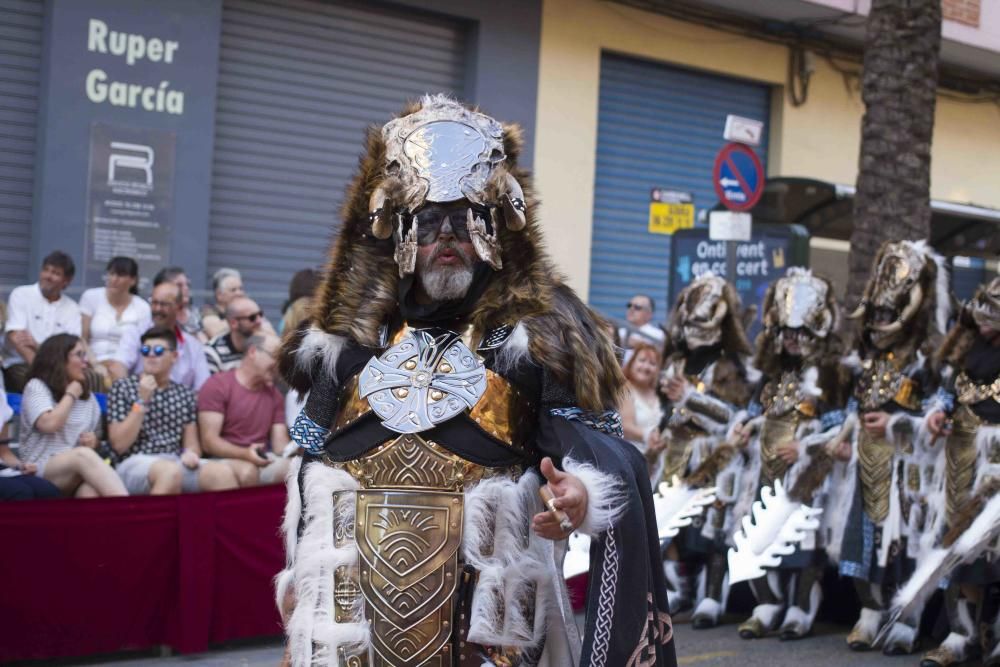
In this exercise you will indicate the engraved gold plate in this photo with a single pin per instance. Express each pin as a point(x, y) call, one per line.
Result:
point(970, 393)
point(875, 467)
point(960, 457)
point(774, 432)
point(881, 382)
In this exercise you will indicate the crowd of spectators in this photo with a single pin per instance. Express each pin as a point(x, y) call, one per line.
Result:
point(120, 396)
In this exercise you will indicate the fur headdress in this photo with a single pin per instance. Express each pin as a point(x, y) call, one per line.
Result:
point(907, 296)
point(717, 295)
point(986, 304)
point(359, 292)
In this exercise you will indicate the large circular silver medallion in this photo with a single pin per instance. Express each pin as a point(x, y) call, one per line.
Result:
point(427, 378)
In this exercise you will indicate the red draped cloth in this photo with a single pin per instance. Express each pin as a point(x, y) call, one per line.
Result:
point(80, 577)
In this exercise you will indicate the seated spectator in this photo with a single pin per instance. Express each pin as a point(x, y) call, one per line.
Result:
point(153, 427)
point(640, 408)
point(59, 422)
point(190, 369)
point(227, 284)
point(188, 317)
point(110, 310)
point(638, 327)
point(35, 312)
point(245, 318)
point(18, 481)
point(300, 293)
point(241, 416)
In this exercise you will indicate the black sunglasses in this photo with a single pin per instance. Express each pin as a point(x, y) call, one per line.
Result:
point(635, 306)
point(253, 317)
point(155, 350)
point(431, 218)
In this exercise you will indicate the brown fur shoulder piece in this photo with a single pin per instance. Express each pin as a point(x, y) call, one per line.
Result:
point(730, 383)
point(959, 341)
point(359, 291)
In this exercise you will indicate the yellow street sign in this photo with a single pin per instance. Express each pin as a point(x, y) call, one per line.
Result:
point(666, 218)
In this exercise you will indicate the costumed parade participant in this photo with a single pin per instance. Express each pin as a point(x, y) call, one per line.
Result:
point(796, 410)
point(902, 316)
point(967, 419)
point(452, 379)
point(705, 380)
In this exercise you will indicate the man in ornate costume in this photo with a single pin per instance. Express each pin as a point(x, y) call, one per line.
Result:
point(797, 408)
point(903, 315)
point(448, 371)
point(967, 419)
point(705, 380)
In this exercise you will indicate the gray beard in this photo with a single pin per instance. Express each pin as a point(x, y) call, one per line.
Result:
point(445, 283)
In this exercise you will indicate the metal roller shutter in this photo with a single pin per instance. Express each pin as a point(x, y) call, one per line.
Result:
point(658, 126)
point(20, 66)
point(299, 81)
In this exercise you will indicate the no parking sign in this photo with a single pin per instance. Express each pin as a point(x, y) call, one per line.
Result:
point(738, 177)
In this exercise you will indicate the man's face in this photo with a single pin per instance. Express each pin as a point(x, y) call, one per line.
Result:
point(164, 304)
point(640, 310)
point(229, 289)
point(445, 255)
point(158, 356)
point(52, 281)
point(244, 316)
point(264, 360)
point(184, 285)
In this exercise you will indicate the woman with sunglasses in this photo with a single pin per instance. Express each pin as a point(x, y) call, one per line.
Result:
point(59, 420)
point(108, 311)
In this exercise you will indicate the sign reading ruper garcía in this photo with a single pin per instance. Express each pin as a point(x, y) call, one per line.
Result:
point(132, 47)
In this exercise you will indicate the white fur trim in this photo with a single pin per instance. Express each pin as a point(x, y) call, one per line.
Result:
point(942, 298)
point(852, 361)
point(289, 530)
point(810, 382)
point(986, 438)
point(869, 622)
point(902, 636)
point(322, 345)
point(710, 608)
point(767, 614)
point(514, 351)
point(805, 618)
point(313, 635)
point(605, 496)
point(515, 565)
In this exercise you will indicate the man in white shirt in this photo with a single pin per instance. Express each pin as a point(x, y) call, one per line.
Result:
point(639, 327)
point(190, 369)
point(35, 312)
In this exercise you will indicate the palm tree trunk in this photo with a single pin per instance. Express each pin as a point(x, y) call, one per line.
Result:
point(898, 87)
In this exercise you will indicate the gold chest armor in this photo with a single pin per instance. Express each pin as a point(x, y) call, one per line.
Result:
point(960, 458)
point(784, 406)
point(970, 392)
point(875, 456)
point(881, 381)
point(408, 529)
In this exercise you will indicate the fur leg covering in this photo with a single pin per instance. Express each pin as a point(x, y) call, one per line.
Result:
point(516, 591)
point(314, 638)
point(284, 581)
point(605, 497)
point(798, 621)
point(901, 639)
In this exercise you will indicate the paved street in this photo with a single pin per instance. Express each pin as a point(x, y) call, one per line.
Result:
point(704, 648)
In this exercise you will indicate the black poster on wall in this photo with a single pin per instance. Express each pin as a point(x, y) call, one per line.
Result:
point(130, 198)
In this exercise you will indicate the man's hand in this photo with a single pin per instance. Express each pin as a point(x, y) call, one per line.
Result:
point(674, 388)
point(788, 452)
point(741, 434)
point(254, 454)
point(570, 497)
point(936, 422)
point(654, 443)
point(190, 460)
point(875, 423)
point(147, 385)
point(23, 338)
point(74, 389)
point(88, 440)
point(29, 469)
point(841, 451)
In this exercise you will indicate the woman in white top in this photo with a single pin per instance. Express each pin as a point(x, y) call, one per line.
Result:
point(108, 311)
point(59, 420)
point(640, 407)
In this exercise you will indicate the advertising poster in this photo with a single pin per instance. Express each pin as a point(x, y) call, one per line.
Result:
point(130, 199)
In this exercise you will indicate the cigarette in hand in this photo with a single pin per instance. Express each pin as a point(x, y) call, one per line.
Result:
point(550, 502)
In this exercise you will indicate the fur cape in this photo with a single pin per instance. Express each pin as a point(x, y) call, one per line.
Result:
point(359, 290)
